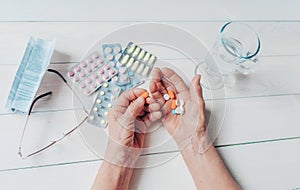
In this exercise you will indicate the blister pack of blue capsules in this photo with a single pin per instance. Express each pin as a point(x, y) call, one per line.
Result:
point(112, 53)
point(107, 95)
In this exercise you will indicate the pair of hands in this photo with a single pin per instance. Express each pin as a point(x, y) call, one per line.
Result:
point(132, 114)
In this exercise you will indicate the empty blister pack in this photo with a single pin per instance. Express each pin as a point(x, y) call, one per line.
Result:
point(91, 73)
point(137, 60)
point(105, 99)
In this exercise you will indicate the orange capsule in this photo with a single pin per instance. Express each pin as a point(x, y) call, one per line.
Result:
point(173, 105)
point(171, 94)
point(145, 95)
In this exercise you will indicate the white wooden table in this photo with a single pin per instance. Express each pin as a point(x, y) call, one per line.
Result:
point(260, 138)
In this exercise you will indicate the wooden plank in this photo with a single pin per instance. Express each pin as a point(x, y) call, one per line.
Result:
point(42, 128)
point(274, 76)
point(155, 10)
point(246, 121)
point(257, 166)
point(74, 39)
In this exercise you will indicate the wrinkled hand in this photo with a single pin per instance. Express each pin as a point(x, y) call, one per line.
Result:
point(127, 123)
point(192, 123)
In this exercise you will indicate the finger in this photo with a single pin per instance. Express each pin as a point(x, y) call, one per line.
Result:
point(134, 109)
point(175, 81)
point(151, 117)
point(154, 107)
point(156, 87)
point(154, 116)
point(128, 96)
point(150, 100)
point(196, 91)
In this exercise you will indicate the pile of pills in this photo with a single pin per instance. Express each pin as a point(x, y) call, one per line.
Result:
point(176, 104)
point(91, 73)
point(137, 60)
point(106, 96)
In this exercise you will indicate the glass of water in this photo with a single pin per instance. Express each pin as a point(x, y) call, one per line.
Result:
point(235, 51)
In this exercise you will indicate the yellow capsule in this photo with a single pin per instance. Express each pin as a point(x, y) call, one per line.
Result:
point(124, 59)
point(134, 66)
point(130, 62)
point(136, 51)
point(147, 56)
point(132, 47)
point(140, 68)
point(142, 54)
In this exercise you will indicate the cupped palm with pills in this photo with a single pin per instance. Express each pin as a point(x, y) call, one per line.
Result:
point(114, 73)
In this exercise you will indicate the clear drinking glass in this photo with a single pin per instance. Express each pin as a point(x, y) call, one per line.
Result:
point(235, 51)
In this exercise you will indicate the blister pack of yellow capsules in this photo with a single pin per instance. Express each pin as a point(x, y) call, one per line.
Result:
point(138, 61)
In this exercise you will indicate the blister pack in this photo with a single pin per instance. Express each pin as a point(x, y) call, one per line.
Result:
point(91, 73)
point(105, 99)
point(137, 60)
point(112, 53)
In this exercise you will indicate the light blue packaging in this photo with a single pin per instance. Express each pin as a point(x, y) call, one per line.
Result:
point(27, 80)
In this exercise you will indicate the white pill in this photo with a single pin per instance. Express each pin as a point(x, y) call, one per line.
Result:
point(124, 59)
point(105, 85)
point(181, 102)
point(142, 54)
point(166, 96)
point(117, 49)
point(132, 47)
point(102, 121)
point(178, 110)
point(134, 66)
point(91, 117)
point(130, 62)
point(105, 113)
point(95, 109)
point(147, 56)
point(109, 57)
point(116, 89)
point(140, 68)
point(136, 51)
point(98, 101)
point(115, 79)
point(146, 71)
point(109, 105)
point(117, 57)
point(102, 93)
point(122, 70)
point(123, 78)
point(107, 50)
point(181, 110)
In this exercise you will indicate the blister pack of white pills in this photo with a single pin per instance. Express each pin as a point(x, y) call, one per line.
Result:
point(112, 53)
point(138, 61)
point(91, 73)
point(107, 95)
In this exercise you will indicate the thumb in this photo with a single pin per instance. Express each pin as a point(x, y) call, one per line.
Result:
point(196, 89)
